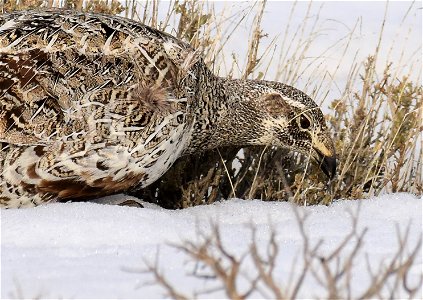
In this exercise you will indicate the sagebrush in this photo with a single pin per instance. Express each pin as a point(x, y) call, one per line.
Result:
point(376, 123)
point(254, 273)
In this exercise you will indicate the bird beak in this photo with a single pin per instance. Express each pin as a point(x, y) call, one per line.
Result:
point(324, 154)
point(327, 165)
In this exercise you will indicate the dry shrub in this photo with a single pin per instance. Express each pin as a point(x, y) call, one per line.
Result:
point(376, 126)
point(10, 5)
point(97, 6)
point(377, 137)
point(333, 271)
point(376, 122)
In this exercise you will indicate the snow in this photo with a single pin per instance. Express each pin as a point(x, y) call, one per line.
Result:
point(91, 250)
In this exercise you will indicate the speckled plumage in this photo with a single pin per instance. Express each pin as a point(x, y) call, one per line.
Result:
point(92, 105)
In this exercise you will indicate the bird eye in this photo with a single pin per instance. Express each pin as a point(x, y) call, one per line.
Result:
point(304, 122)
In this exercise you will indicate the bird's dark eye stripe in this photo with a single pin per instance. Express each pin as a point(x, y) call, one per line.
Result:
point(304, 122)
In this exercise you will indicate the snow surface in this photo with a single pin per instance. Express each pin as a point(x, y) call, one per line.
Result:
point(88, 250)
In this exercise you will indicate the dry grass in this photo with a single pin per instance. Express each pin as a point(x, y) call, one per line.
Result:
point(376, 124)
point(377, 128)
point(376, 121)
point(257, 268)
point(99, 6)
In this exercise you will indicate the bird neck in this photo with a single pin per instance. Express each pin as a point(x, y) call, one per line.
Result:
point(222, 117)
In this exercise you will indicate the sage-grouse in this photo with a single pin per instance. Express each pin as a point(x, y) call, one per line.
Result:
point(93, 105)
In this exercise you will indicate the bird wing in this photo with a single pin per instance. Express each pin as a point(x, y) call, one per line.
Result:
point(60, 70)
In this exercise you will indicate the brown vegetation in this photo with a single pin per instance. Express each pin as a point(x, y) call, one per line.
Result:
point(376, 122)
point(376, 125)
point(333, 271)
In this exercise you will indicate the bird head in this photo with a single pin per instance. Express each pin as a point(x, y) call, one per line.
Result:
point(291, 119)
